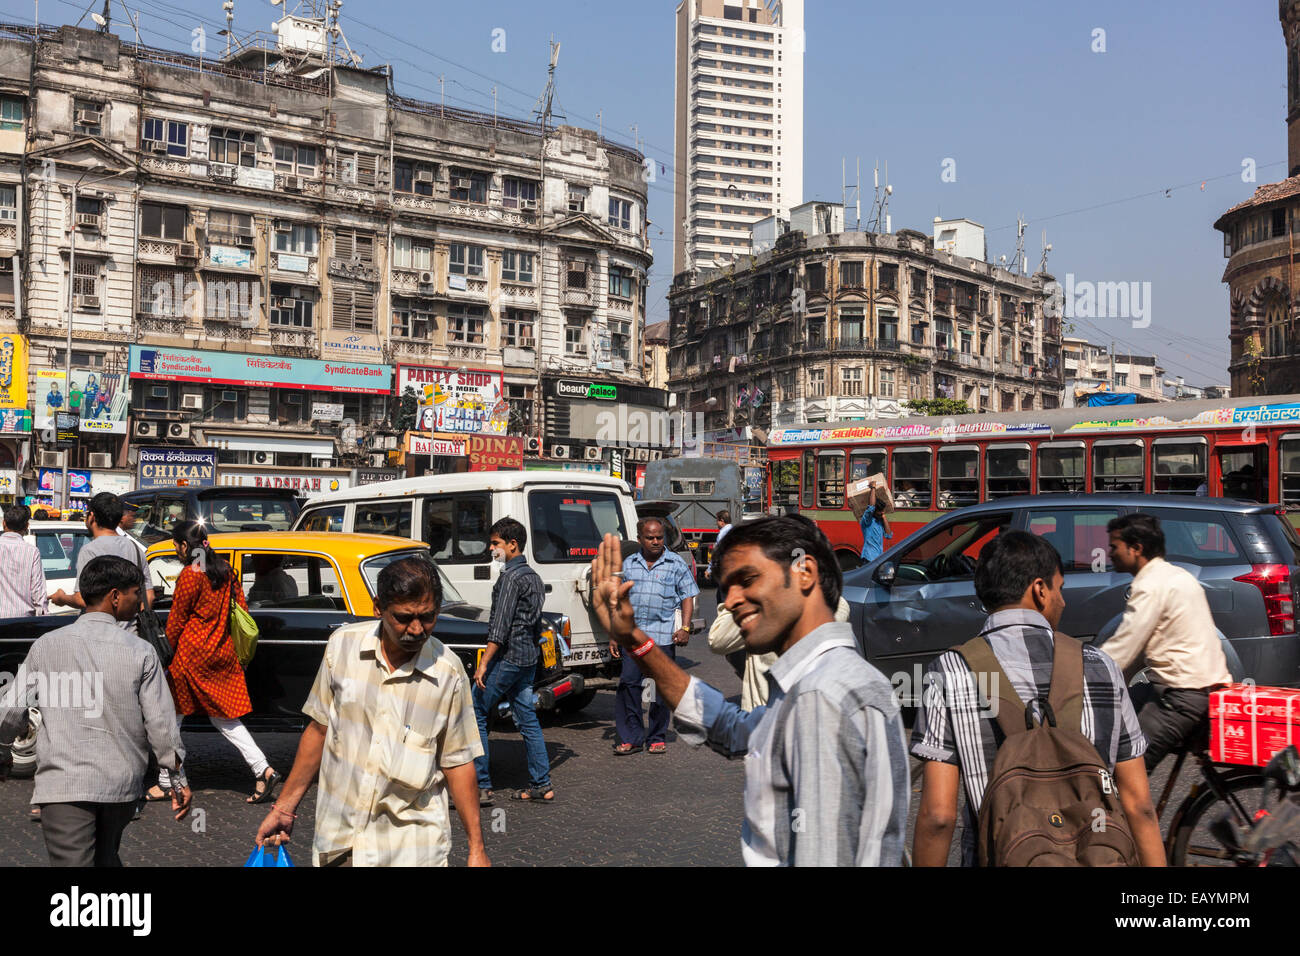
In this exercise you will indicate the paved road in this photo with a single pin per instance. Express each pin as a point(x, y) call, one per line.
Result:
point(680, 809)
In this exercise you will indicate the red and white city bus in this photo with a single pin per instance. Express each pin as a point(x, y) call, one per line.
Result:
point(1230, 447)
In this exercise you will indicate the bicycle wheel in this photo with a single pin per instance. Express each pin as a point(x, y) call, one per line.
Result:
point(1193, 844)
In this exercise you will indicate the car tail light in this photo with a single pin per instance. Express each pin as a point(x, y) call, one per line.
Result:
point(1274, 582)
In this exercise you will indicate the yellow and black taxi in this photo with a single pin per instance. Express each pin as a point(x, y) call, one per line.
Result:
point(300, 587)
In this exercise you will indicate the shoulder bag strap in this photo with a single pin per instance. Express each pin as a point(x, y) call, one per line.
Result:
point(1012, 716)
point(1065, 696)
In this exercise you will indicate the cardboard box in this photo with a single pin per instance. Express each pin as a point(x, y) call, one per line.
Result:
point(1249, 724)
point(859, 491)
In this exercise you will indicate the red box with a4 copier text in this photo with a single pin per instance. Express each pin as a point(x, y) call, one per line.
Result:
point(1249, 724)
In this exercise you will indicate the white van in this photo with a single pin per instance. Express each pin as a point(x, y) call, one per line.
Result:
point(566, 514)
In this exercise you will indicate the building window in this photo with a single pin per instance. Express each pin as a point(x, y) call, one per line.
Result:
point(814, 277)
point(162, 222)
point(410, 322)
point(225, 404)
point(354, 244)
point(578, 198)
point(465, 324)
point(466, 260)
point(355, 169)
point(297, 238)
point(888, 323)
point(519, 194)
point(620, 282)
point(468, 185)
point(620, 340)
point(576, 274)
point(166, 136)
point(888, 278)
point(234, 228)
point(353, 308)
point(414, 178)
point(851, 326)
point(409, 253)
point(620, 213)
point(816, 331)
point(852, 379)
point(295, 159)
point(88, 118)
point(85, 285)
point(851, 275)
point(1121, 378)
point(8, 202)
point(520, 398)
point(516, 266)
point(227, 299)
point(289, 308)
point(886, 383)
point(234, 147)
point(517, 329)
point(817, 383)
point(575, 335)
point(11, 113)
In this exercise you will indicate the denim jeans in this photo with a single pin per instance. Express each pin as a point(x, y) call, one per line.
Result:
point(512, 683)
point(627, 704)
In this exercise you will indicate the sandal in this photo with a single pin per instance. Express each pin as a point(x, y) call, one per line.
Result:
point(536, 795)
point(34, 814)
point(266, 785)
point(485, 797)
point(622, 750)
point(658, 747)
point(162, 794)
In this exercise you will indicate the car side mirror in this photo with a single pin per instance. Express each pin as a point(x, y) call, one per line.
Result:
point(885, 574)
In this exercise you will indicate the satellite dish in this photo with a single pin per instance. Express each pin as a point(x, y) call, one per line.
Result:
point(99, 19)
point(275, 28)
point(276, 3)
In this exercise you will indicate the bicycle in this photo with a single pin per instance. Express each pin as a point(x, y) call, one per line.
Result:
point(1224, 791)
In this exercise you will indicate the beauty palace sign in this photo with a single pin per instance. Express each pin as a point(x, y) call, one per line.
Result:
point(259, 371)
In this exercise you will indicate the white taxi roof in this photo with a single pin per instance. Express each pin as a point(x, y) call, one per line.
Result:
point(469, 481)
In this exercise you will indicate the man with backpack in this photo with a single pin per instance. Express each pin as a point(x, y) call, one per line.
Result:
point(1086, 800)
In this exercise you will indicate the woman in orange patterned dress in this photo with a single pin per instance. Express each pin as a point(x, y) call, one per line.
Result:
point(205, 676)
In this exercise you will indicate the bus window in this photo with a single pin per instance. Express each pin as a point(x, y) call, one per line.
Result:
point(867, 462)
point(1243, 471)
point(912, 486)
point(806, 498)
point(1178, 466)
point(959, 476)
point(1061, 467)
point(1008, 470)
point(1117, 466)
point(785, 485)
point(830, 479)
point(1289, 447)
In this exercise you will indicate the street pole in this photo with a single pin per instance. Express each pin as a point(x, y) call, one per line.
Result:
point(67, 355)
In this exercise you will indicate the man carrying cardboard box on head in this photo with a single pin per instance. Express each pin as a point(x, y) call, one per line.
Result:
point(871, 501)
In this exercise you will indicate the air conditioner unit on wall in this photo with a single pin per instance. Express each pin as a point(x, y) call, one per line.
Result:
point(424, 176)
point(533, 446)
point(52, 459)
point(426, 278)
point(378, 461)
point(560, 451)
point(101, 460)
point(178, 430)
point(192, 402)
point(263, 458)
point(89, 303)
point(292, 184)
point(146, 429)
point(592, 453)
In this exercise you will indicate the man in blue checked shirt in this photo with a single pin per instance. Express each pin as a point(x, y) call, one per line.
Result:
point(664, 583)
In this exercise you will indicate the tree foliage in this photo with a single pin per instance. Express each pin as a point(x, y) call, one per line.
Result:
point(938, 406)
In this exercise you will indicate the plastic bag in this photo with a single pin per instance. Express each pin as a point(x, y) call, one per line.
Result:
point(269, 855)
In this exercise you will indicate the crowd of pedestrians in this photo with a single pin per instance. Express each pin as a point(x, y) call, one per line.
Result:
point(398, 731)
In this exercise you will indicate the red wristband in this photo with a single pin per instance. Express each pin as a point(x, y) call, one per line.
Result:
point(644, 649)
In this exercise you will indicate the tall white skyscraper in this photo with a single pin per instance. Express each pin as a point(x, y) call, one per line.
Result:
point(739, 123)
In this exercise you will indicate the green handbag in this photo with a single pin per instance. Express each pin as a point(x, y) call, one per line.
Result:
point(243, 630)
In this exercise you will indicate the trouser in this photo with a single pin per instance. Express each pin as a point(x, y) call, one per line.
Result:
point(510, 682)
point(235, 732)
point(627, 704)
point(85, 834)
point(1170, 717)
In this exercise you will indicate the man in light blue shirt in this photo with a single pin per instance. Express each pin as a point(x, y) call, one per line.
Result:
point(664, 584)
point(875, 528)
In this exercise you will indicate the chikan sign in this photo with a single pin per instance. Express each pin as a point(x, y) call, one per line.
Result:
point(495, 453)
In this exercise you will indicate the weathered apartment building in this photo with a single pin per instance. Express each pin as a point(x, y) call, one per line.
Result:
point(1095, 368)
point(257, 241)
point(829, 325)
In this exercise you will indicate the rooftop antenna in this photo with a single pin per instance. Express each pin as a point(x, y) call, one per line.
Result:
point(1022, 265)
point(545, 108)
point(229, 7)
point(880, 207)
point(102, 20)
point(1047, 247)
point(857, 190)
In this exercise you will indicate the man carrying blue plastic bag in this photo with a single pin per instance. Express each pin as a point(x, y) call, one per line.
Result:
point(392, 732)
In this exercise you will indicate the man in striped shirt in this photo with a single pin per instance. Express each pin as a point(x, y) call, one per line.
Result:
point(393, 703)
point(22, 576)
point(826, 773)
point(509, 661)
point(1019, 576)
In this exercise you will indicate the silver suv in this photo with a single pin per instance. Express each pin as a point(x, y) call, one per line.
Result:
point(918, 598)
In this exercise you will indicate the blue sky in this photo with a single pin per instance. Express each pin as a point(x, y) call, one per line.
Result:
point(1037, 123)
